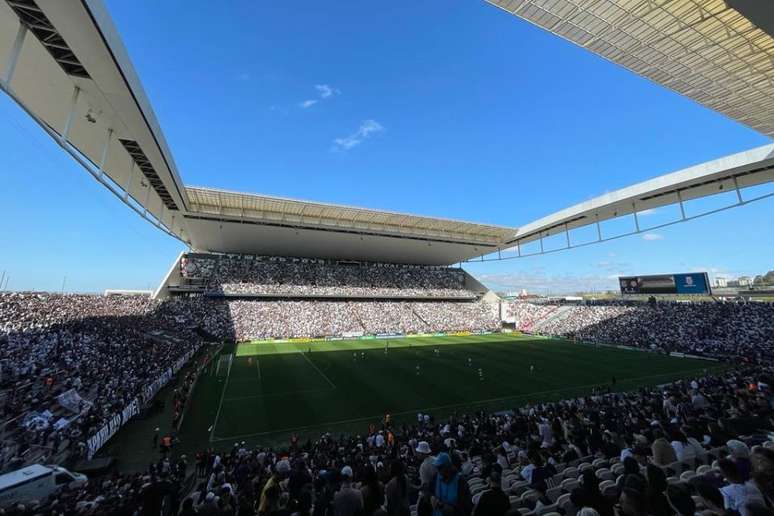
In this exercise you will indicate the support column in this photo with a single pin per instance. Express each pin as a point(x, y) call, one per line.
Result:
point(13, 58)
point(71, 113)
point(682, 207)
point(636, 220)
point(738, 191)
point(103, 159)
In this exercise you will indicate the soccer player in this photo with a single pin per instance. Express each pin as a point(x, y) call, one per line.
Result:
point(417, 369)
point(480, 374)
point(470, 362)
point(531, 368)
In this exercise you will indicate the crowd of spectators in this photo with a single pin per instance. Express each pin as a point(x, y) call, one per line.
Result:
point(244, 274)
point(715, 329)
point(534, 459)
point(68, 363)
point(254, 319)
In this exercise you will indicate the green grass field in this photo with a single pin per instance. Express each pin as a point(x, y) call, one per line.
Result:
point(262, 392)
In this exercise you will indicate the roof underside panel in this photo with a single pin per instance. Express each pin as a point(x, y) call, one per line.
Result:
point(72, 75)
point(702, 49)
point(246, 236)
point(459, 239)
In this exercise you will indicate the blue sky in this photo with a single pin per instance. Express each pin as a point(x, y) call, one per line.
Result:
point(453, 109)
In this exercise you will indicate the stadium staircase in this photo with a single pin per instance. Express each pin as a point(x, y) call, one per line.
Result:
point(359, 319)
point(419, 317)
point(555, 316)
point(529, 325)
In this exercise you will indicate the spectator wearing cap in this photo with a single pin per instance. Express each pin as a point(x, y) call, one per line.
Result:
point(210, 506)
point(348, 501)
point(493, 501)
point(426, 469)
point(449, 493)
point(272, 491)
point(740, 454)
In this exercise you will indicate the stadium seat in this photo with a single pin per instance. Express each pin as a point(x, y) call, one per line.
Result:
point(673, 480)
point(571, 472)
point(604, 474)
point(519, 487)
point(530, 494)
point(687, 475)
point(478, 488)
point(617, 469)
point(569, 484)
point(554, 493)
point(703, 470)
point(548, 509)
point(477, 496)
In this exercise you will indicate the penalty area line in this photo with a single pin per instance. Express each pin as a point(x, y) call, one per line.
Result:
point(333, 385)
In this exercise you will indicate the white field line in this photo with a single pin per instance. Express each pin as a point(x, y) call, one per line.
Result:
point(333, 385)
point(222, 395)
point(429, 409)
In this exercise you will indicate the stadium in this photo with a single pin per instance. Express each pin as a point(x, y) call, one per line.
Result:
point(305, 357)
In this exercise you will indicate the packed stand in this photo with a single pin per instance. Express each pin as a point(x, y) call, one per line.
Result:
point(267, 319)
point(691, 446)
point(263, 275)
point(712, 329)
point(69, 363)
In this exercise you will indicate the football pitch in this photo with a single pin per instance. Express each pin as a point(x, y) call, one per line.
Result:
point(263, 392)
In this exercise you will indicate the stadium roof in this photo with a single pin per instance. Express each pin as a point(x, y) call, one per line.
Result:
point(728, 174)
point(707, 50)
point(65, 65)
point(246, 223)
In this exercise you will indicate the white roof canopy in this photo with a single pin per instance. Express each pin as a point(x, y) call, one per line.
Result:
point(63, 62)
point(703, 49)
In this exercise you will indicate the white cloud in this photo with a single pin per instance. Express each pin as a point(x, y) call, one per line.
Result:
point(326, 90)
point(652, 236)
point(649, 211)
point(366, 129)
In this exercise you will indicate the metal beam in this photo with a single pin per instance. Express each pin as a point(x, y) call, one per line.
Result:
point(13, 57)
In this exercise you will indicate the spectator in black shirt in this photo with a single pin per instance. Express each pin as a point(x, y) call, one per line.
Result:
point(494, 502)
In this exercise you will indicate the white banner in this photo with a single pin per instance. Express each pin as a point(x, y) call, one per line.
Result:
point(73, 401)
point(99, 439)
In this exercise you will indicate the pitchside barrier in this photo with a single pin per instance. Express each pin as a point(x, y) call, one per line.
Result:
point(118, 420)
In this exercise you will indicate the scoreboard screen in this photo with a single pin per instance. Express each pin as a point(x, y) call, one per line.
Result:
point(688, 283)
